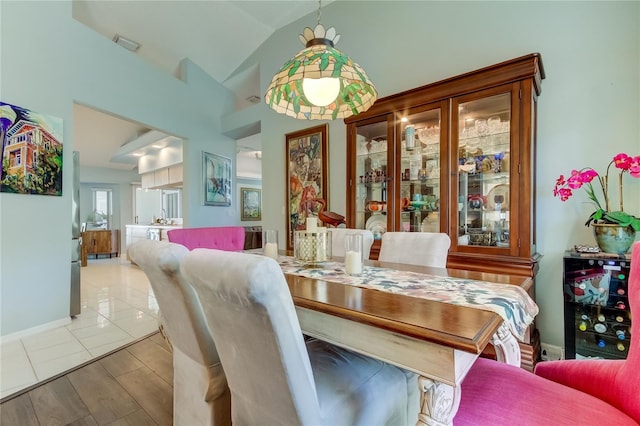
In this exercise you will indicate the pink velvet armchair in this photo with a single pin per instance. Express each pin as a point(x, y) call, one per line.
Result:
point(567, 392)
point(228, 238)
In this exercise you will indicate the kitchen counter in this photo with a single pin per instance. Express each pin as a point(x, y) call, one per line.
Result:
point(154, 226)
point(138, 232)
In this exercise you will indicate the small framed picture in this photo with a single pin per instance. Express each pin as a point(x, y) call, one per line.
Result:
point(216, 176)
point(250, 204)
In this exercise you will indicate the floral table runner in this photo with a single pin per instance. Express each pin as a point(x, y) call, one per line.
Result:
point(511, 302)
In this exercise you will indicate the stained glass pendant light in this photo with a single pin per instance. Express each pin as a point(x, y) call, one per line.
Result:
point(320, 82)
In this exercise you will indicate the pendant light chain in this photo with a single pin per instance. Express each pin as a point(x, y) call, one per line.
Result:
point(319, 11)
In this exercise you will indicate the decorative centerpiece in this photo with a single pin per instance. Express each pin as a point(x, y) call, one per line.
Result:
point(614, 231)
point(312, 245)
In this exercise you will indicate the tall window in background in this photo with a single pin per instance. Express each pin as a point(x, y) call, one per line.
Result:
point(102, 207)
point(171, 203)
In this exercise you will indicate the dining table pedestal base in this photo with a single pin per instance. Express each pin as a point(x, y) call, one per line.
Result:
point(438, 402)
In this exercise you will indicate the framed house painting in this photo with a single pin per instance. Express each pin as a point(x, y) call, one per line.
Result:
point(250, 204)
point(306, 176)
point(216, 175)
point(31, 156)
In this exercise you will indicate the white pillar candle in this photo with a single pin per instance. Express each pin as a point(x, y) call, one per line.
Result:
point(271, 250)
point(312, 224)
point(353, 263)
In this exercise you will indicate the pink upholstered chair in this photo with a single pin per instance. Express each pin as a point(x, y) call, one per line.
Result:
point(567, 392)
point(228, 238)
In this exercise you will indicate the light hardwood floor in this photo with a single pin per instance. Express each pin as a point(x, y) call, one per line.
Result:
point(133, 386)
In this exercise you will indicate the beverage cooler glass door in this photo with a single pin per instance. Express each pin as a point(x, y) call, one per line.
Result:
point(484, 148)
point(372, 175)
point(420, 172)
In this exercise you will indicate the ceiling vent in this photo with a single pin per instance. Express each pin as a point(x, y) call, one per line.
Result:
point(126, 43)
point(253, 99)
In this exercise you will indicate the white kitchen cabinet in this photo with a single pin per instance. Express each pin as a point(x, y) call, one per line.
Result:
point(175, 174)
point(147, 180)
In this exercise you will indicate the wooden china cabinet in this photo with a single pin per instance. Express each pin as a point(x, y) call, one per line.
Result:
point(456, 156)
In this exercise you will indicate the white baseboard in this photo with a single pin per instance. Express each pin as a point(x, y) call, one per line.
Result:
point(34, 330)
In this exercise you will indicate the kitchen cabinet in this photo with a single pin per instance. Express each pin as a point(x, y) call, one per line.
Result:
point(456, 156)
point(162, 178)
point(175, 174)
point(147, 180)
point(99, 242)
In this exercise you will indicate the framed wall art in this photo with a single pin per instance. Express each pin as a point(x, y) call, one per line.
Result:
point(306, 176)
point(250, 204)
point(216, 175)
point(31, 156)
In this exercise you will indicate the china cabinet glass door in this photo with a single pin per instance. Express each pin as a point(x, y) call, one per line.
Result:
point(373, 168)
point(484, 202)
point(419, 171)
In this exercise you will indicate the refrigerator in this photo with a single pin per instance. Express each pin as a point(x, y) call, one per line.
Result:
point(76, 239)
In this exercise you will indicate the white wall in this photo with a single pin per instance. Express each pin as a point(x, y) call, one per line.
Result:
point(48, 62)
point(589, 109)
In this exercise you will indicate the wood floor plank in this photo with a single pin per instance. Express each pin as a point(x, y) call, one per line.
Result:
point(139, 418)
point(153, 393)
point(120, 363)
point(155, 357)
point(57, 403)
point(72, 399)
point(160, 340)
point(86, 421)
point(18, 411)
point(111, 403)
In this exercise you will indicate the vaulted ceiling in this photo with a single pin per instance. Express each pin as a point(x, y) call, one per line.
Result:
point(218, 35)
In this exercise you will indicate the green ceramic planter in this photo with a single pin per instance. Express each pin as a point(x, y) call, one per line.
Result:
point(613, 238)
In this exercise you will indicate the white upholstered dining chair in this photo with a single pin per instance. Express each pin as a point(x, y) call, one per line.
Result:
point(337, 240)
point(275, 377)
point(200, 392)
point(415, 248)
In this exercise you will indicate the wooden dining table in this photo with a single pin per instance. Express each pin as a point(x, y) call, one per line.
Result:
point(438, 341)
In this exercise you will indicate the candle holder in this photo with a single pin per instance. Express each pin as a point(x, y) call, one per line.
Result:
point(311, 248)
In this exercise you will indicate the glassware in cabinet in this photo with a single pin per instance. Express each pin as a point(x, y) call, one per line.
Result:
point(372, 177)
point(419, 169)
point(484, 178)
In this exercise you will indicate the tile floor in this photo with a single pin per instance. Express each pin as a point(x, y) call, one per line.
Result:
point(118, 307)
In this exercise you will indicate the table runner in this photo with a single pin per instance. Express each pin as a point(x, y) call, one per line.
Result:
point(511, 302)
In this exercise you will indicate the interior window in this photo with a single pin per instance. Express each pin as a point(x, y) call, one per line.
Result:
point(101, 215)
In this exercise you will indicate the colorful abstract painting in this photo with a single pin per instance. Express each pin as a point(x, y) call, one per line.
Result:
point(31, 151)
point(306, 176)
point(216, 174)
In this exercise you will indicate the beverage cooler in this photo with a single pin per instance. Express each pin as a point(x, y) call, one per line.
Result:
point(597, 318)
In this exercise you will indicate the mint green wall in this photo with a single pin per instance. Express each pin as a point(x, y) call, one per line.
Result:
point(589, 109)
point(48, 65)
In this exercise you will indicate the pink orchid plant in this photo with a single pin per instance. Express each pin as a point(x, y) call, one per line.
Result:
point(626, 164)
